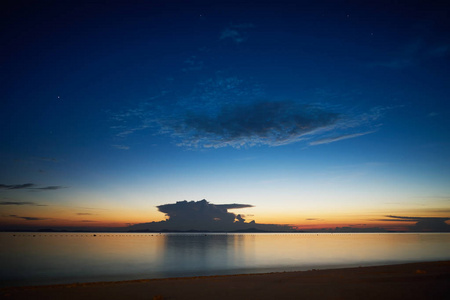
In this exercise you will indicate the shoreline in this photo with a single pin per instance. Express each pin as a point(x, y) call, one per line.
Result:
point(411, 281)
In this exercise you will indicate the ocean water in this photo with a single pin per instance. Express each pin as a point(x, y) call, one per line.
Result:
point(53, 258)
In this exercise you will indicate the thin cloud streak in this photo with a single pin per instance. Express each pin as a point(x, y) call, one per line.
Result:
point(30, 186)
point(16, 186)
point(339, 138)
point(19, 203)
point(51, 188)
point(28, 218)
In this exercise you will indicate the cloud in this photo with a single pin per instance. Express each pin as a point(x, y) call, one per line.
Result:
point(121, 147)
point(91, 208)
point(127, 132)
point(231, 112)
point(51, 188)
point(423, 223)
point(440, 50)
point(16, 186)
point(50, 159)
point(84, 214)
point(204, 216)
point(414, 53)
point(199, 213)
point(271, 123)
point(28, 218)
point(236, 33)
point(29, 186)
point(240, 218)
point(20, 203)
point(395, 64)
point(193, 64)
point(339, 138)
point(232, 34)
point(231, 206)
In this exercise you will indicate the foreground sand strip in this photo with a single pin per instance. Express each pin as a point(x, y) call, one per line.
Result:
point(429, 280)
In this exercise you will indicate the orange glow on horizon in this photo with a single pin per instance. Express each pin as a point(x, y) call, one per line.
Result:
point(121, 216)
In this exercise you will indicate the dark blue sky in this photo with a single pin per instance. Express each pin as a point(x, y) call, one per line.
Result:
point(335, 111)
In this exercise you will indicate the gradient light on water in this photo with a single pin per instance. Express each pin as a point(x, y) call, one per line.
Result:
point(47, 258)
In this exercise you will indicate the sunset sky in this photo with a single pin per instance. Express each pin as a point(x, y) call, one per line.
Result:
point(316, 114)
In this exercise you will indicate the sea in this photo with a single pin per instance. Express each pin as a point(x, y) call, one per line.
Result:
point(55, 258)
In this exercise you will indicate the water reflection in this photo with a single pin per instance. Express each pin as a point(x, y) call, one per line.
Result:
point(58, 258)
point(198, 253)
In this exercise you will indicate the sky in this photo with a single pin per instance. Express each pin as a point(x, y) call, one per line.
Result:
point(309, 114)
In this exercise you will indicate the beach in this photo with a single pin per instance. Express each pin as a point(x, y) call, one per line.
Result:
point(427, 280)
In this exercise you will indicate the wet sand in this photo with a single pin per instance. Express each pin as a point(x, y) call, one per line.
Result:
point(429, 280)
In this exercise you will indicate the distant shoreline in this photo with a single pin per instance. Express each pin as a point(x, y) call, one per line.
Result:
point(209, 232)
point(401, 281)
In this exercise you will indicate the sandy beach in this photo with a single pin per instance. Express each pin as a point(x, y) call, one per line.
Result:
point(429, 280)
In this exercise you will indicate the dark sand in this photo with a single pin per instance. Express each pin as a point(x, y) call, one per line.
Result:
point(430, 280)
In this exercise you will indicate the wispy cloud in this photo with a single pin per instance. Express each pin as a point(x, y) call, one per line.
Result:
point(339, 138)
point(28, 218)
point(29, 186)
point(414, 53)
point(415, 219)
point(439, 51)
point(228, 112)
point(84, 214)
point(91, 208)
point(236, 33)
point(16, 186)
point(50, 159)
point(395, 64)
point(19, 203)
point(129, 131)
point(51, 188)
point(121, 147)
point(37, 159)
point(192, 64)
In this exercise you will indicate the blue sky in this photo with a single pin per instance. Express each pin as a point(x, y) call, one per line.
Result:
point(328, 112)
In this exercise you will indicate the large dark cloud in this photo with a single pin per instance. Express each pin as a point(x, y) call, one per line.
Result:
point(258, 123)
point(230, 112)
point(199, 214)
point(204, 216)
point(423, 223)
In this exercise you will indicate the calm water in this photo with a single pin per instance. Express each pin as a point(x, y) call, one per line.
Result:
point(43, 258)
